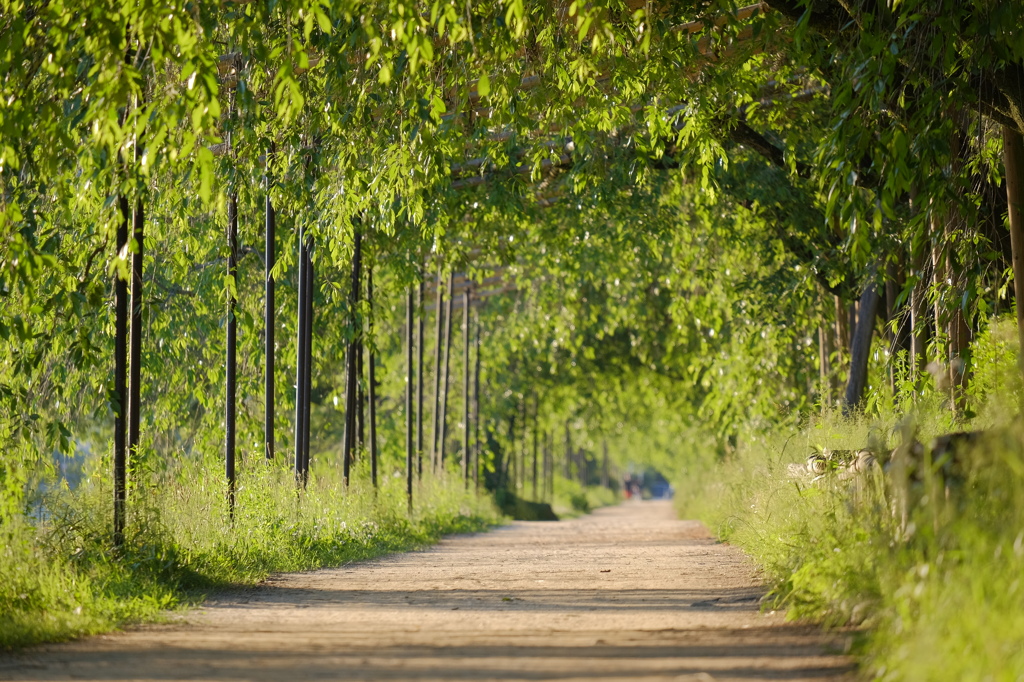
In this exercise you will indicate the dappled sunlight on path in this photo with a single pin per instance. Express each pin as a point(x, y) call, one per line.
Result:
point(626, 593)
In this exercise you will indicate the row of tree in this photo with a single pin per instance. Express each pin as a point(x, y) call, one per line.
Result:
point(706, 212)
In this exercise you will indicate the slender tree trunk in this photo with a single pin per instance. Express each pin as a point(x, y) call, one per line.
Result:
point(919, 313)
point(439, 342)
point(939, 277)
point(120, 379)
point(269, 324)
point(501, 465)
point(536, 408)
point(466, 373)
point(521, 454)
point(476, 409)
point(959, 349)
point(307, 380)
point(860, 353)
point(300, 360)
point(360, 393)
point(231, 363)
point(419, 379)
point(1013, 162)
point(351, 394)
point(371, 383)
point(891, 315)
point(410, 389)
point(959, 331)
point(825, 350)
point(568, 453)
point(135, 338)
point(842, 333)
point(605, 479)
point(445, 372)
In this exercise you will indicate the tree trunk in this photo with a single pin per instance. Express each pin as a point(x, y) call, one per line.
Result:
point(231, 361)
point(604, 464)
point(919, 313)
point(419, 379)
point(300, 358)
point(438, 343)
point(371, 382)
point(135, 338)
point(445, 373)
point(410, 388)
point(891, 315)
point(307, 381)
point(465, 388)
point(568, 453)
point(120, 379)
point(842, 333)
point(476, 409)
point(269, 324)
point(825, 376)
point(536, 408)
point(939, 277)
point(861, 349)
point(352, 370)
point(1013, 161)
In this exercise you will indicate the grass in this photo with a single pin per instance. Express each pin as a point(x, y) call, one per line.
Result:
point(572, 499)
point(937, 591)
point(61, 579)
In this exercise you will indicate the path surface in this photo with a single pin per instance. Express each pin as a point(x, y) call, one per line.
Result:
point(628, 593)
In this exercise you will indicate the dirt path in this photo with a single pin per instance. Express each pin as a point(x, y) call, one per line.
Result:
point(627, 593)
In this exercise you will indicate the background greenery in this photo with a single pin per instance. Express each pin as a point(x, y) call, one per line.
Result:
point(686, 199)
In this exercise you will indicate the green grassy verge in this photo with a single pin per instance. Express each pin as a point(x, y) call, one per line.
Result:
point(932, 570)
point(61, 579)
point(572, 499)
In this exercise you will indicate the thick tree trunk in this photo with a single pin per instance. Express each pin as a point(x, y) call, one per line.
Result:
point(861, 350)
point(1013, 161)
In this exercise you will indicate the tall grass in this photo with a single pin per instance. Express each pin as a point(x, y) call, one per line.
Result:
point(571, 498)
point(59, 577)
point(930, 568)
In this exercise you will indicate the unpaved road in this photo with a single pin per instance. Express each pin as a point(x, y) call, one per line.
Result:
point(628, 593)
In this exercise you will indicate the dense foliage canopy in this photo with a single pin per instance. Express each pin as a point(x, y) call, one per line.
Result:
point(686, 198)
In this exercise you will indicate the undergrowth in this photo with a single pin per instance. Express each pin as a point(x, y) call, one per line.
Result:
point(572, 499)
point(61, 579)
point(930, 569)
